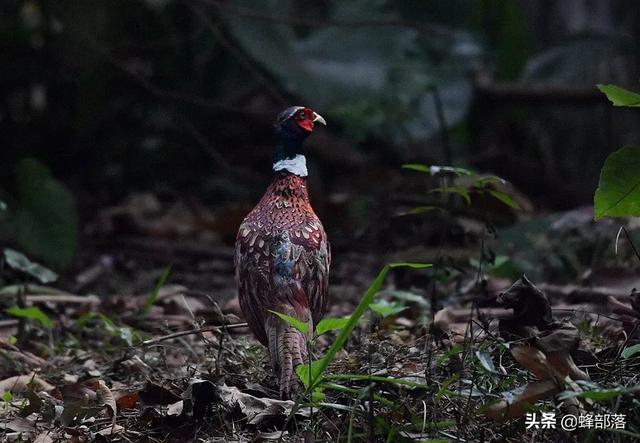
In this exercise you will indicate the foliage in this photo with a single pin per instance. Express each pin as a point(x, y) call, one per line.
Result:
point(42, 216)
point(620, 96)
point(299, 325)
point(311, 374)
point(18, 261)
point(31, 313)
point(331, 324)
point(478, 185)
point(630, 351)
point(387, 309)
point(153, 296)
point(124, 333)
point(618, 193)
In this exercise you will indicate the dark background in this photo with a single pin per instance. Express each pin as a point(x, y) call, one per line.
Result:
point(176, 98)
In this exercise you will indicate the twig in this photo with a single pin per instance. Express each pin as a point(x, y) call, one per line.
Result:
point(156, 340)
point(624, 345)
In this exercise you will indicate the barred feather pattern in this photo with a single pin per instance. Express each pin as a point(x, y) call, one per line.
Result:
point(282, 260)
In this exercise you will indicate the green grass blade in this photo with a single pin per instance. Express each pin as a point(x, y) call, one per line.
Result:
point(151, 300)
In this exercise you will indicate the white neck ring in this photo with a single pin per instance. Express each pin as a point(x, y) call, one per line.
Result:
point(296, 165)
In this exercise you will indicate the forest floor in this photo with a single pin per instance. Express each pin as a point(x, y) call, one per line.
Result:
point(130, 349)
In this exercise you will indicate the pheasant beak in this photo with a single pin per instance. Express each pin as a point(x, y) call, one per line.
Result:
point(317, 118)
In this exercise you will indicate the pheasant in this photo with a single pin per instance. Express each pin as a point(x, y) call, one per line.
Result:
point(282, 254)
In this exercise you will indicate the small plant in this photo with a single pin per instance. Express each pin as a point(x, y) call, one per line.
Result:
point(477, 184)
point(618, 193)
point(20, 263)
point(311, 374)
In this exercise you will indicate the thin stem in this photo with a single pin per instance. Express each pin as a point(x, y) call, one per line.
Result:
point(444, 131)
point(626, 234)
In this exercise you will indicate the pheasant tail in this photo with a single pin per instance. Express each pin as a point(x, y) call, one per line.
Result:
point(287, 349)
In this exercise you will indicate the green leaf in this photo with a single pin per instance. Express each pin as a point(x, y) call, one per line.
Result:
point(18, 261)
point(317, 395)
point(630, 351)
point(356, 393)
point(309, 373)
point(45, 219)
point(31, 313)
point(618, 193)
point(407, 296)
point(504, 198)
point(416, 167)
point(593, 394)
point(7, 396)
point(421, 210)
point(151, 300)
point(444, 389)
point(484, 180)
point(457, 190)
point(412, 265)
point(620, 96)
point(312, 376)
point(331, 324)
point(486, 362)
point(299, 325)
point(386, 309)
point(377, 378)
point(435, 170)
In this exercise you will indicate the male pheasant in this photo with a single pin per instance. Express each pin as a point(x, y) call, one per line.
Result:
point(282, 255)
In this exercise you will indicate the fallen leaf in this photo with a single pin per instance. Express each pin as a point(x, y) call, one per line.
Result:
point(127, 400)
point(20, 384)
point(111, 430)
point(521, 401)
point(533, 360)
point(105, 398)
point(252, 407)
point(19, 424)
point(175, 408)
point(155, 394)
point(43, 438)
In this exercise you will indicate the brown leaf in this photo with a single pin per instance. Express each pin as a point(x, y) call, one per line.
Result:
point(620, 308)
point(77, 392)
point(105, 398)
point(111, 430)
point(442, 319)
point(252, 407)
point(19, 424)
point(534, 360)
point(154, 394)
point(127, 400)
point(561, 337)
point(20, 384)
point(43, 438)
point(564, 364)
point(503, 409)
